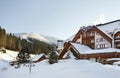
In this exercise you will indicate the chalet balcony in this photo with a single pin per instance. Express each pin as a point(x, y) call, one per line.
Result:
point(118, 40)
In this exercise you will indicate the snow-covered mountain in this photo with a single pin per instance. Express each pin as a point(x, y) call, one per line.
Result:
point(47, 39)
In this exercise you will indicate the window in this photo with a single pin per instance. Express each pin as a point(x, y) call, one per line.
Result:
point(100, 46)
point(97, 46)
point(91, 33)
point(103, 46)
point(100, 40)
point(92, 41)
point(118, 45)
point(106, 45)
point(117, 37)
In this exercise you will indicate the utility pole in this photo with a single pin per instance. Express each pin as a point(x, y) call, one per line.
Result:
point(30, 65)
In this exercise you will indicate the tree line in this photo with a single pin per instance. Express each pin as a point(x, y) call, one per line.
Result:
point(11, 42)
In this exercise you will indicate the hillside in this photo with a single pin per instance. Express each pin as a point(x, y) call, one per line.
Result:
point(36, 43)
point(47, 39)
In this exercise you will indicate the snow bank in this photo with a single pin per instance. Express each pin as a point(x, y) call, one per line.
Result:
point(70, 68)
point(4, 65)
point(113, 59)
point(9, 55)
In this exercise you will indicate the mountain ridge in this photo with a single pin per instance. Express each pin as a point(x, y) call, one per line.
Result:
point(40, 37)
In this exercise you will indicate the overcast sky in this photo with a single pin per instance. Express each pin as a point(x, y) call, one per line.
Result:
point(57, 18)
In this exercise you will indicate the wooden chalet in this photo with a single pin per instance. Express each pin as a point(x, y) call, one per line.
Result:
point(96, 37)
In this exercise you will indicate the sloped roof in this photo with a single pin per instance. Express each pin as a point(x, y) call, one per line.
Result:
point(110, 27)
point(83, 49)
point(87, 28)
point(117, 31)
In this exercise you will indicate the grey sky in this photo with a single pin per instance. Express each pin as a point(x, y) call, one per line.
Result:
point(58, 18)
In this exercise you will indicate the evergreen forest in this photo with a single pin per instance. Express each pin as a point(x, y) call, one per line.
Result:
point(11, 42)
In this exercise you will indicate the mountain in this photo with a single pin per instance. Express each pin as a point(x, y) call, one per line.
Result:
point(47, 39)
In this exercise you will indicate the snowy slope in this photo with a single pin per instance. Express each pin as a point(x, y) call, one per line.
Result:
point(47, 39)
point(9, 55)
point(64, 69)
point(70, 68)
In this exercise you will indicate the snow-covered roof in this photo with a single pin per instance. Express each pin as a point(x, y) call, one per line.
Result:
point(86, 50)
point(36, 57)
point(117, 31)
point(87, 28)
point(113, 59)
point(111, 27)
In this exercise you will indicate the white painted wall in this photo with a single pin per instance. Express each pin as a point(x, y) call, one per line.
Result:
point(107, 44)
point(80, 39)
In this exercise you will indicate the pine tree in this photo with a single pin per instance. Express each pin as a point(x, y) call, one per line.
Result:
point(3, 37)
point(9, 42)
point(53, 58)
point(23, 56)
point(18, 44)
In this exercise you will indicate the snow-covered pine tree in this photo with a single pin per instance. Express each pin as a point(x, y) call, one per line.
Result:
point(23, 56)
point(53, 58)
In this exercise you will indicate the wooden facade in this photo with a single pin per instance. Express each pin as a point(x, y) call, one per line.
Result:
point(88, 38)
point(117, 39)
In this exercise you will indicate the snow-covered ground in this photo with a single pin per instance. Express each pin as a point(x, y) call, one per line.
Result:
point(69, 68)
point(63, 69)
point(8, 56)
